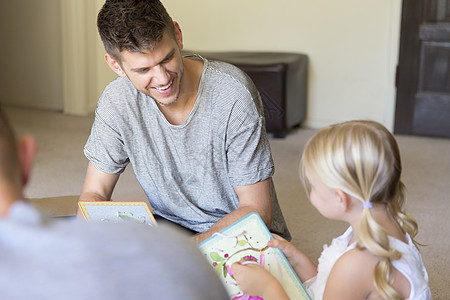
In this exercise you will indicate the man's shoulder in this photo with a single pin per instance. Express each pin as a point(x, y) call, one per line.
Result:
point(126, 239)
point(228, 73)
point(145, 260)
point(228, 82)
point(125, 231)
point(119, 95)
point(119, 86)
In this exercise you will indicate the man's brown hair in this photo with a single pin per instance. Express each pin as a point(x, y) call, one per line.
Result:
point(132, 25)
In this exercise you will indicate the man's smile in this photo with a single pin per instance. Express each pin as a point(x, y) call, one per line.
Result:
point(165, 88)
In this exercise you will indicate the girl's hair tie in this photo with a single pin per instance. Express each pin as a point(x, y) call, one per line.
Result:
point(367, 204)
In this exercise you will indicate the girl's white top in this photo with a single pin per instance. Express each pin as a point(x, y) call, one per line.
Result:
point(410, 265)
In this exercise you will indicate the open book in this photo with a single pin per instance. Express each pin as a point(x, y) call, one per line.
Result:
point(117, 211)
point(246, 240)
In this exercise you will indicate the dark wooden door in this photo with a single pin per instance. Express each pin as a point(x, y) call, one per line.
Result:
point(423, 82)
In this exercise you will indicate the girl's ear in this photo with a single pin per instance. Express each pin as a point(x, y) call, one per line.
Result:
point(344, 200)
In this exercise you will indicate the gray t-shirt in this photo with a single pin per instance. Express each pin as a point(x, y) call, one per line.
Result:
point(187, 171)
point(68, 259)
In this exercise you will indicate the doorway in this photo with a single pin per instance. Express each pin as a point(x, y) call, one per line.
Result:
point(423, 75)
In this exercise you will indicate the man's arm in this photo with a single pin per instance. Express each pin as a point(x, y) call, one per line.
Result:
point(98, 186)
point(252, 198)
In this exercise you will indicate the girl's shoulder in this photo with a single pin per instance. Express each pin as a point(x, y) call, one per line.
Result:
point(360, 259)
point(352, 275)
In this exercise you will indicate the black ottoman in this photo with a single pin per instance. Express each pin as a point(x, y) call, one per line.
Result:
point(281, 79)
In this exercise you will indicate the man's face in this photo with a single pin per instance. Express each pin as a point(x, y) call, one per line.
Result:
point(156, 73)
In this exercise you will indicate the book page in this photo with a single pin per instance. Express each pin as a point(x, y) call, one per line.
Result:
point(117, 211)
point(246, 240)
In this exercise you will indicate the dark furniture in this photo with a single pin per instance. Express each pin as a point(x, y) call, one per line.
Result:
point(281, 79)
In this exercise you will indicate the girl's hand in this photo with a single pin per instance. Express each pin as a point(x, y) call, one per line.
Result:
point(254, 280)
point(301, 264)
point(289, 250)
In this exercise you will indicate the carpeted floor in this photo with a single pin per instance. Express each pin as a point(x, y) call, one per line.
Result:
point(60, 168)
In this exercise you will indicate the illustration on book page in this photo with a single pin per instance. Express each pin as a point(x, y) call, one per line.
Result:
point(246, 241)
point(117, 211)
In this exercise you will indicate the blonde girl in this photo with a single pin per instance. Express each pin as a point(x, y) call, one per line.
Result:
point(352, 173)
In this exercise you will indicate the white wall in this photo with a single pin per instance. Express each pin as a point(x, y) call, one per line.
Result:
point(352, 46)
point(30, 54)
point(104, 73)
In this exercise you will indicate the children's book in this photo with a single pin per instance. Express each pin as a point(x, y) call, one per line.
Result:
point(246, 241)
point(117, 211)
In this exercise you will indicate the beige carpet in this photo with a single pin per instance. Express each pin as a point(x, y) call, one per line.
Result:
point(60, 168)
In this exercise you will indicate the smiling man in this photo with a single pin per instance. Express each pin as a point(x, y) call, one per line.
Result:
point(193, 129)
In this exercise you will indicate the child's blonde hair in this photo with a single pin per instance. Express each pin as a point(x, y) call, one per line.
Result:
point(362, 159)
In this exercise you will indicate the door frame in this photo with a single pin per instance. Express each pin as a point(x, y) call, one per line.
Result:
point(408, 65)
point(420, 110)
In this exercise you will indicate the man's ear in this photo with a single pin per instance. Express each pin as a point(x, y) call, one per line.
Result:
point(27, 149)
point(114, 65)
point(344, 200)
point(178, 35)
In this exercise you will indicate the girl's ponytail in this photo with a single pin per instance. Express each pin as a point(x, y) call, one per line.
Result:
point(362, 159)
